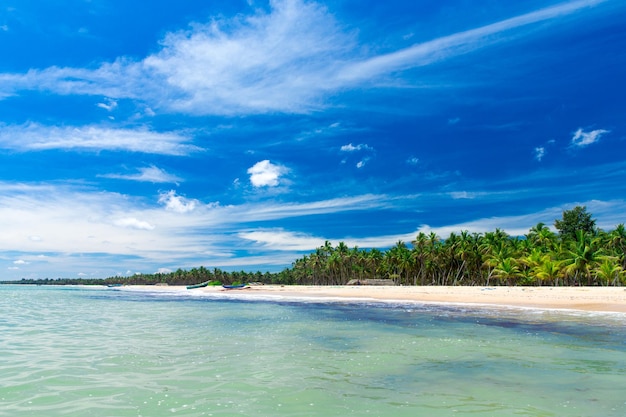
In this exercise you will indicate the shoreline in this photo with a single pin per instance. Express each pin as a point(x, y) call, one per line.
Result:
point(590, 299)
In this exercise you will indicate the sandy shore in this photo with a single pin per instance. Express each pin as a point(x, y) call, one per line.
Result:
point(601, 299)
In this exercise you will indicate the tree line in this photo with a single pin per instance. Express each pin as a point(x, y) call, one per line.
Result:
point(579, 253)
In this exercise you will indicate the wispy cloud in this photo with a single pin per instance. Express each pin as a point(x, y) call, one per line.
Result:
point(519, 225)
point(279, 60)
point(456, 44)
point(133, 223)
point(353, 148)
point(463, 195)
point(108, 104)
point(286, 60)
point(540, 152)
point(37, 137)
point(582, 138)
point(151, 174)
point(413, 160)
point(64, 221)
point(361, 147)
point(276, 61)
point(282, 240)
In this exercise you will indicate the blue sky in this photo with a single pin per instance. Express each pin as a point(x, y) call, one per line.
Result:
point(243, 134)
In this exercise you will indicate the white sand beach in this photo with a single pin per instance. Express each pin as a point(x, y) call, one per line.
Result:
point(600, 299)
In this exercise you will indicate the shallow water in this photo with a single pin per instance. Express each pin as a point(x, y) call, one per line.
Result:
point(99, 352)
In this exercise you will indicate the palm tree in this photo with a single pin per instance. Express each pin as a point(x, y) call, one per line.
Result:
point(374, 262)
point(581, 258)
point(548, 270)
point(617, 243)
point(541, 236)
point(419, 254)
point(507, 270)
point(609, 272)
point(334, 268)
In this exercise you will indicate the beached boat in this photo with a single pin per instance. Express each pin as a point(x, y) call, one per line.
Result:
point(201, 285)
point(231, 287)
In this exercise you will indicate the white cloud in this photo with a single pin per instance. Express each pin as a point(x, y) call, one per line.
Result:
point(277, 61)
point(85, 222)
point(456, 44)
point(462, 195)
point(413, 161)
point(21, 262)
point(357, 148)
point(582, 138)
point(282, 240)
point(266, 174)
point(148, 174)
point(362, 163)
point(108, 105)
point(177, 203)
point(285, 60)
point(353, 148)
point(36, 137)
point(540, 152)
point(279, 239)
point(133, 223)
point(262, 212)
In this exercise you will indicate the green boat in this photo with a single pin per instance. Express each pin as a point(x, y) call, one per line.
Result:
point(201, 285)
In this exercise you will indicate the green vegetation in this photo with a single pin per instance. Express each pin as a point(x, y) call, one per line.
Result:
point(580, 254)
point(575, 220)
point(541, 257)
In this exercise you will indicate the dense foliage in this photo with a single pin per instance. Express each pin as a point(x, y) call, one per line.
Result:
point(494, 258)
point(577, 219)
point(580, 254)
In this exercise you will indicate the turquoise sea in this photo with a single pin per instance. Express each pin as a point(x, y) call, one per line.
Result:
point(73, 351)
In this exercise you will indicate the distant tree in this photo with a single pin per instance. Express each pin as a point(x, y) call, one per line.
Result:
point(574, 220)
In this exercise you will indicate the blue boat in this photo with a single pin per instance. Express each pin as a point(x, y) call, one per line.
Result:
point(232, 287)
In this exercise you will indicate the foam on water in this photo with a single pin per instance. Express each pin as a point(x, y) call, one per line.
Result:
point(94, 352)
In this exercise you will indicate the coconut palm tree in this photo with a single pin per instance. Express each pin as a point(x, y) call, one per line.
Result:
point(507, 270)
point(609, 272)
point(541, 236)
point(617, 243)
point(548, 270)
point(580, 259)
